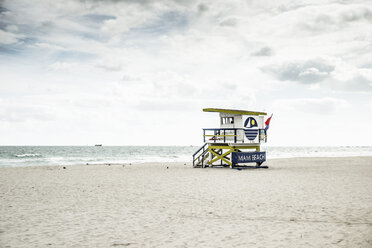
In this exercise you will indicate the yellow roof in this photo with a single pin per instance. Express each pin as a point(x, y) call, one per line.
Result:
point(234, 111)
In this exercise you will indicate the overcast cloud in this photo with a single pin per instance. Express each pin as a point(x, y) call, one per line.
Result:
point(76, 72)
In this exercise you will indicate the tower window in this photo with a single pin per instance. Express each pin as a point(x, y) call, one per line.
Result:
point(227, 120)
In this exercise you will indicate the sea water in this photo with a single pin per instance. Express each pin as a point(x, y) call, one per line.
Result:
point(13, 156)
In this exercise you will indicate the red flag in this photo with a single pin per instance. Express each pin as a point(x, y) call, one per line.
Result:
point(267, 122)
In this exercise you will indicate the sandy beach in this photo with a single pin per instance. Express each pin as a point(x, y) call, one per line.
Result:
point(299, 202)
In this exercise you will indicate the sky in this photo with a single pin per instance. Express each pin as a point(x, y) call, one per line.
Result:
point(82, 72)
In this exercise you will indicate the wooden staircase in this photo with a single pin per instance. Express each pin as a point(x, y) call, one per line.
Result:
point(200, 157)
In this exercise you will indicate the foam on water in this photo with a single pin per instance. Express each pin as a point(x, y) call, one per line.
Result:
point(27, 155)
point(71, 155)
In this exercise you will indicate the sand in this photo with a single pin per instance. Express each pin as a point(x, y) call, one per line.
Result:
point(300, 202)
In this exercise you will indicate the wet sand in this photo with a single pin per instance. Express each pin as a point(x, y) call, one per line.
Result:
point(299, 202)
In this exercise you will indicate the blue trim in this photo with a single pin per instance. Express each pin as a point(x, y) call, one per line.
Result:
point(221, 131)
point(248, 122)
point(217, 129)
point(248, 157)
point(251, 134)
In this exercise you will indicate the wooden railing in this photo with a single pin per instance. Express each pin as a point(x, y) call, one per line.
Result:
point(200, 155)
point(220, 134)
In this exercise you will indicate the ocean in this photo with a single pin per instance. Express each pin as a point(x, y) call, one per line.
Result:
point(15, 156)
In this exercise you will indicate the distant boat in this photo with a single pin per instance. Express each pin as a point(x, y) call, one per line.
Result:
point(98, 145)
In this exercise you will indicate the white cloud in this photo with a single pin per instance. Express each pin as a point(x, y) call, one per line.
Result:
point(341, 17)
point(109, 65)
point(16, 112)
point(335, 74)
point(229, 21)
point(57, 66)
point(11, 28)
point(48, 46)
point(320, 106)
point(100, 65)
point(264, 51)
point(8, 38)
point(307, 72)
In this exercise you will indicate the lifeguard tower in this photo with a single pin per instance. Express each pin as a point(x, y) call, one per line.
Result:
point(230, 145)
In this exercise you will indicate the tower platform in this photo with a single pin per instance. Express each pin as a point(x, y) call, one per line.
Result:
point(236, 143)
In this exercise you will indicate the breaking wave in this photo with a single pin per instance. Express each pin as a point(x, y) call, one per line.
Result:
point(27, 155)
point(11, 156)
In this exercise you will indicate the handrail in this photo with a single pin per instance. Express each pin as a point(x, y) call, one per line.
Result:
point(220, 135)
point(218, 131)
point(212, 129)
point(199, 149)
point(200, 155)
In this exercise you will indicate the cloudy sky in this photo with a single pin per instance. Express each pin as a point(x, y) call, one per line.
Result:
point(139, 72)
